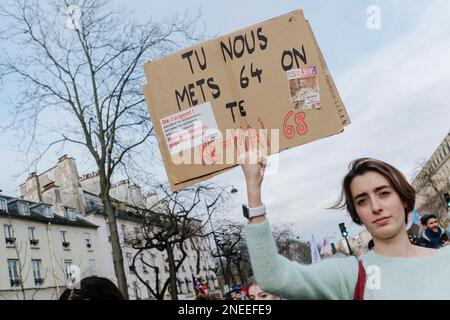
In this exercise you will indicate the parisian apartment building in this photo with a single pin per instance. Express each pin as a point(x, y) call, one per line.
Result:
point(61, 186)
point(432, 183)
point(37, 246)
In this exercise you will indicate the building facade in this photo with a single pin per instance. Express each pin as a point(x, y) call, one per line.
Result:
point(433, 181)
point(37, 246)
point(62, 185)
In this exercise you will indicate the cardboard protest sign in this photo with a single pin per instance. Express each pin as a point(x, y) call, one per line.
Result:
point(267, 83)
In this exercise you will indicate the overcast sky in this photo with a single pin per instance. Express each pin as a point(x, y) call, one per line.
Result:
point(394, 83)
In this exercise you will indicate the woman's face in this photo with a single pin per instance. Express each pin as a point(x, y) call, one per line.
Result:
point(255, 293)
point(378, 205)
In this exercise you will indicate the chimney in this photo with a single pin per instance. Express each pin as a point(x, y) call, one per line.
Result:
point(64, 157)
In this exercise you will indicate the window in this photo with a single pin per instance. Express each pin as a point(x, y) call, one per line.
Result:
point(9, 234)
point(87, 238)
point(36, 264)
point(48, 212)
point(3, 205)
point(123, 231)
point(136, 290)
point(129, 261)
point(108, 231)
point(31, 233)
point(67, 264)
point(446, 147)
point(57, 195)
point(64, 239)
point(23, 208)
point(442, 151)
point(13, 275)
point(92, 267)
point(71, 214)
point(149, 293)
point(32, 236)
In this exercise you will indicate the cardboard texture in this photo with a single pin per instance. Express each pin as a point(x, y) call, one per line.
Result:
point(268, 76)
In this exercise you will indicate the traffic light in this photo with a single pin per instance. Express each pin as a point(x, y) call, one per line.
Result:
point(447, 199)
point(344, 231)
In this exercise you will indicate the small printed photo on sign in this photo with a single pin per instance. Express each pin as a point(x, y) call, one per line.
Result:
point(304, 88)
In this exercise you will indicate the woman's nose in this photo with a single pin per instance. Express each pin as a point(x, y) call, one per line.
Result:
point(376, 205)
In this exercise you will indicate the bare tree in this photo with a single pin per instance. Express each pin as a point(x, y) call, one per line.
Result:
point(230, 245)
point(290, 245)
point(78, 69)
point(175, 219)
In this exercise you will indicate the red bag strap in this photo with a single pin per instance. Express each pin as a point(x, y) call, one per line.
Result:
point(361, 282)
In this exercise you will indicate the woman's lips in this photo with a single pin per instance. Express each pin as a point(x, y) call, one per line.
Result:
point(382, 221)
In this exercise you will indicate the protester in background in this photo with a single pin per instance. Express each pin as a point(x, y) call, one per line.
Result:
point(255, 292)
point(377, 196)
point(93, 288)
point(433, 236)
point(237, 295)
point(370, 245)
point(209, 296)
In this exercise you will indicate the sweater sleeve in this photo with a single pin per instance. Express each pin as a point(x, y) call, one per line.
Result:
point(328, 279)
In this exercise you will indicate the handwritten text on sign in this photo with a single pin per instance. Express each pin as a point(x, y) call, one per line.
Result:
point(232, 49)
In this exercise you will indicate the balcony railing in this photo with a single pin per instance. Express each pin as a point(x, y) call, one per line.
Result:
point(10, 241)
point(38, 281)
point(94, 209)
point(14, 282)
point(66, 244)
point(34, 242)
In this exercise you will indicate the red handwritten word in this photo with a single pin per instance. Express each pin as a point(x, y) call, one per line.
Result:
point(208, 149)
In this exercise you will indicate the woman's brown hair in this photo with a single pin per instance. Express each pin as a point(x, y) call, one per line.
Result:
point(395, 178)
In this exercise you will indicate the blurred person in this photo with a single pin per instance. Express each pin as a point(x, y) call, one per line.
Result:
point(93, 288)
point(255, 292)
point(433, 236)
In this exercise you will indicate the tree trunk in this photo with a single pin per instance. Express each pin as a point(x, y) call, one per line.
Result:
point(115, 243)
point(172, 273)
point(229, 273)
point(241, 276)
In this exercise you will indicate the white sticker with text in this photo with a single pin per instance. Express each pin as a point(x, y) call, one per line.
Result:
point(189, 128)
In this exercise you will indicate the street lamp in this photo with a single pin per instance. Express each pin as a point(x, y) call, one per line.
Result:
point(233, 190)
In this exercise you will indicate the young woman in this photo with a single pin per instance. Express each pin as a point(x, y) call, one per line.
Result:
point(377, 196)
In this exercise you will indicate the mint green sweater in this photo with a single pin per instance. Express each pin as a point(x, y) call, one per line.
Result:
point(335, 278)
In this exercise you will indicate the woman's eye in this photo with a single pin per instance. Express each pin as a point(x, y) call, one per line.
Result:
point(384, 193)
point(361, 202)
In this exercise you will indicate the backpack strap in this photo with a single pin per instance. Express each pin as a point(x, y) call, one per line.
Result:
point(361, 282)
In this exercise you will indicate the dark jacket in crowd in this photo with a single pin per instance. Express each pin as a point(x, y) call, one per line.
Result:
point(430, 239)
